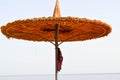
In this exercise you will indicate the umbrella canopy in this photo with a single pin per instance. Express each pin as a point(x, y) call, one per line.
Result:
point(42, 29)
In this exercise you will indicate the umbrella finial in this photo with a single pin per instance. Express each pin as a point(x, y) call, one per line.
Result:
point(57, 10)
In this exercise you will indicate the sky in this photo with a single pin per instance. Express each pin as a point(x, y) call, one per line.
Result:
point(22, 57)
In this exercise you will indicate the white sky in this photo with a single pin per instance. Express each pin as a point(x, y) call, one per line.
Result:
point(93, 56)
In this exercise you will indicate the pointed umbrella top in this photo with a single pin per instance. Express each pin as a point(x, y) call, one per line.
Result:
point(57, 10)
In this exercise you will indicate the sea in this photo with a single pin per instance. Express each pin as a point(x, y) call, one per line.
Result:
point(106, 76)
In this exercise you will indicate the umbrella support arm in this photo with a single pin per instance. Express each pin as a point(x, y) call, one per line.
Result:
point(56, 49)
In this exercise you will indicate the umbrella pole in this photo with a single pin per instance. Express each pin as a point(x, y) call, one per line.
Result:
point(56, 49)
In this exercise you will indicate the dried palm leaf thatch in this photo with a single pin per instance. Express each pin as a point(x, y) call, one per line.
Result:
point(42, 29)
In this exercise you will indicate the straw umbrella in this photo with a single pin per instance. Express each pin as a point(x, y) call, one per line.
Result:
point(56, 29)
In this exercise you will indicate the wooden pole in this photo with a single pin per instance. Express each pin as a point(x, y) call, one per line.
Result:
point(56, 14)
point(56, 49)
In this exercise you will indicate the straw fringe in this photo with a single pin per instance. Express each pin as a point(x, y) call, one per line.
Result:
point(20, 28)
